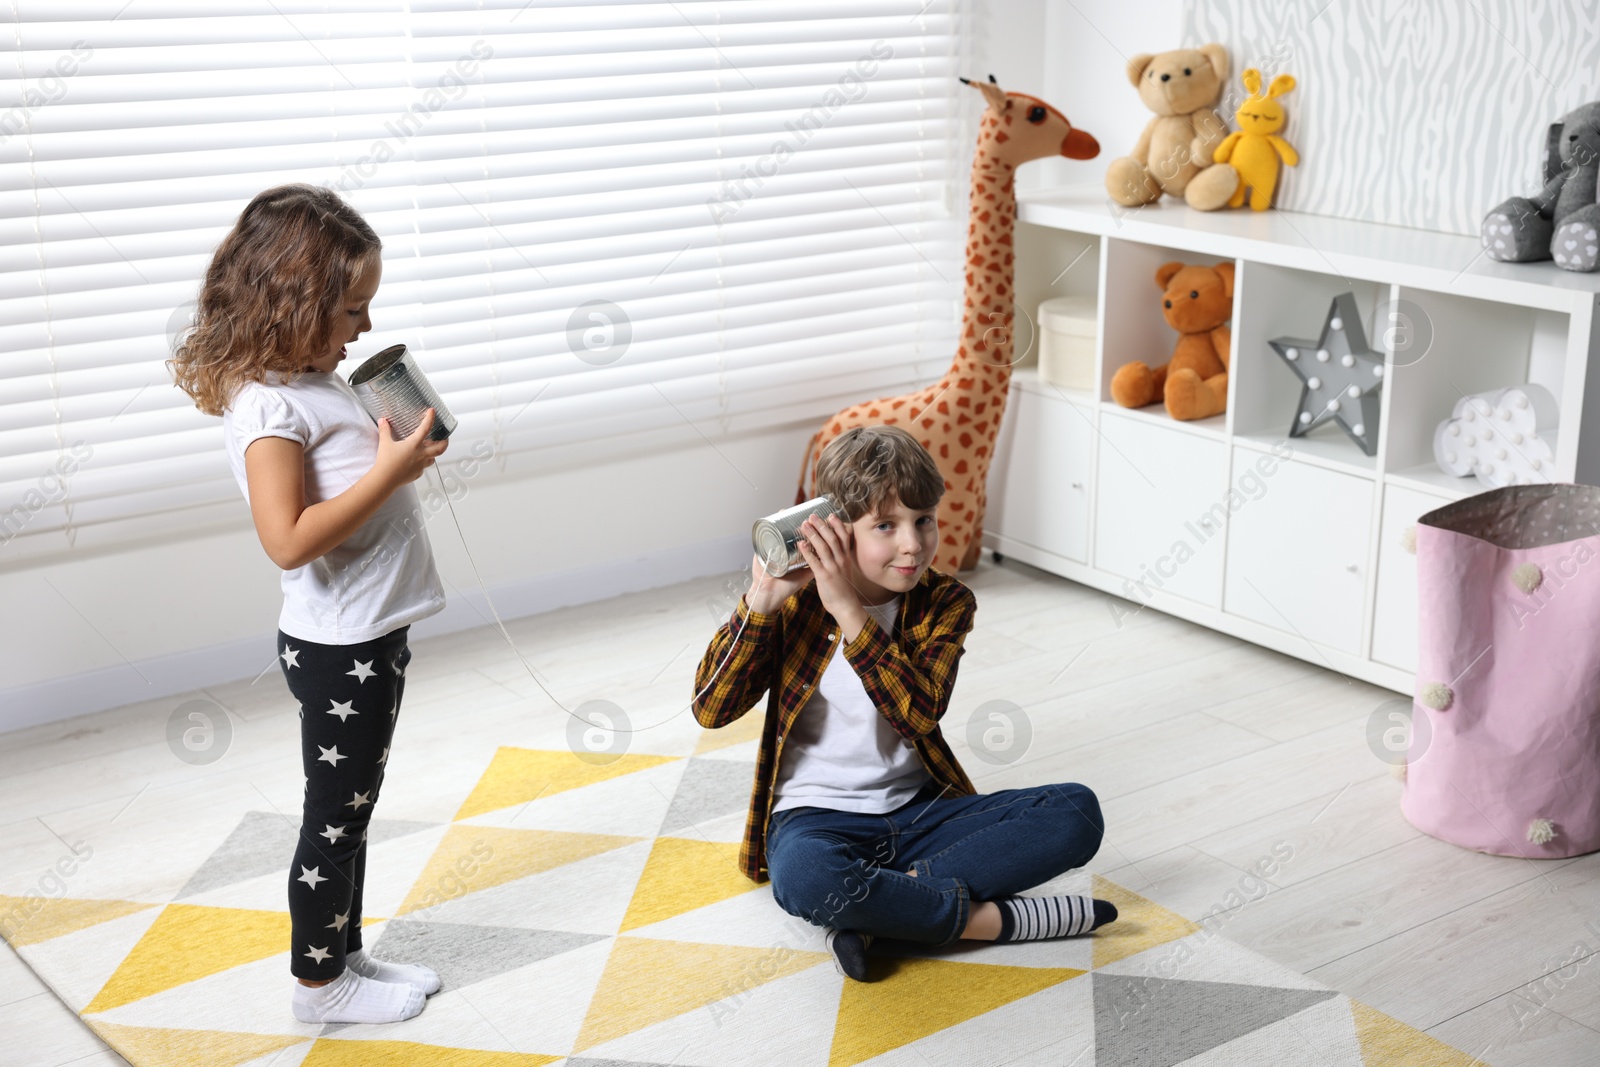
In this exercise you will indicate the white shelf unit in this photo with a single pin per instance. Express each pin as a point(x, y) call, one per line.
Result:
point(1297, 544)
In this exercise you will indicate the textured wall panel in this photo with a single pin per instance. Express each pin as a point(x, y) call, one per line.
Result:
point(1420, 113)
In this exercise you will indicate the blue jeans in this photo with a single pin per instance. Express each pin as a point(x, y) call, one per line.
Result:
point(849, 870)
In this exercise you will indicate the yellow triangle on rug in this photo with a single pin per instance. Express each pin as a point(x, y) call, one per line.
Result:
point(29, 920)
point(646, 981)
point(1141, 924)
point(923, 996)
point(518, 775)
point(191, 941)
point(681, 875)
point(189, 1048)
point(745, 728)
point(471, 858)
point(1386, 1040)
point(336, 1052)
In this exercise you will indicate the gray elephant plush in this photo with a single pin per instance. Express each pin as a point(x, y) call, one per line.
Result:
point(1562, 221)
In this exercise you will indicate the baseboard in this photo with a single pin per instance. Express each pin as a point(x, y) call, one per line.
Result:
point(57, 699)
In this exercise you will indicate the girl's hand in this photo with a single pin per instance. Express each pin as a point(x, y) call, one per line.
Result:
point(828, 548)
point(402, 462)
point(767, 593)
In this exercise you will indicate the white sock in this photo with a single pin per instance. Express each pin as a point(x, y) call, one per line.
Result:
point(416, 974)
point(350, 998)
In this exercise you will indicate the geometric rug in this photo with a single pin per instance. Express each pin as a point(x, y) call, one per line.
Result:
point(591, 915)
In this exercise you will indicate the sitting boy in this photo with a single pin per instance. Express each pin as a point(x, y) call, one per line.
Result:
point(860, 815)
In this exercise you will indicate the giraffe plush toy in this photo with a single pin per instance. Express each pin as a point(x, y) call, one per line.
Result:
point(958, 417)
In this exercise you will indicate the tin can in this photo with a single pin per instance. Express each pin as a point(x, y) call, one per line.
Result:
point(775, 537)
point(391, 385)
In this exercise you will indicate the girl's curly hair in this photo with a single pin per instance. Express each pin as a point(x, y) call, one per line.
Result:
point(271, 296)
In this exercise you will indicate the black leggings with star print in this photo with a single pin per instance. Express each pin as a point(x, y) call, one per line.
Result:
point(349, 699)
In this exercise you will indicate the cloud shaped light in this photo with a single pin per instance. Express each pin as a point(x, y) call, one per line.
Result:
point(1501, 437)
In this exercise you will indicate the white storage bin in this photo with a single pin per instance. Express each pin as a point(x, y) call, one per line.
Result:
point(1066, 341)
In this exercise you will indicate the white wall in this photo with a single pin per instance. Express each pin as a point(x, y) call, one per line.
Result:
point(99, 631)
point(1082, 65)
point(1074, 55)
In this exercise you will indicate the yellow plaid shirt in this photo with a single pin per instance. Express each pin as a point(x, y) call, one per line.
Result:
point(908, 675)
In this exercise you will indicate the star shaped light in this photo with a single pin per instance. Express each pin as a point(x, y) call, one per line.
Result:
point(290, 656)
point(338, 922)
point(331, 755)
point(332, 833)
point(1340, 376)
point(310, 877)
point(363, 671)
point(319, 954)
point(342, 709)
point(385, 757)
point(361, 798)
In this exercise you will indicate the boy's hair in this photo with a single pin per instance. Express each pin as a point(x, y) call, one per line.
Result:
point(273, 291)
point(867, 467)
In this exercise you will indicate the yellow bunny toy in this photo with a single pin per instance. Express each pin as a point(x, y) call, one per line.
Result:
point(1251, 153)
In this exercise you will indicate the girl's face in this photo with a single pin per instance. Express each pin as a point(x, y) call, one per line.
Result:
point(351, 319)
point(892, 549)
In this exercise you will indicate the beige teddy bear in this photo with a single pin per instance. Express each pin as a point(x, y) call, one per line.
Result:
point(1180, 87)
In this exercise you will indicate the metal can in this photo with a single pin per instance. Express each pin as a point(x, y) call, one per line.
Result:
point(775, 537)
point(391, 385)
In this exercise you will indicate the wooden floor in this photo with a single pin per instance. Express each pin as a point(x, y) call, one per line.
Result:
point(1207, 753)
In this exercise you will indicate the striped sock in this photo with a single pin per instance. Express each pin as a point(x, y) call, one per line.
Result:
point(1033, 918)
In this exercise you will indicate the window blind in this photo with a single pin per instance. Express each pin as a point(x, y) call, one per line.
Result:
point(608, 227)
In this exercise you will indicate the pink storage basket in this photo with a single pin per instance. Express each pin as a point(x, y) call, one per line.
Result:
point(1508, 673)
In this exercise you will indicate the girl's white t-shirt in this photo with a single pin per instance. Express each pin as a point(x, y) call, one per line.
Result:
point(841, 753)
point(382, 577)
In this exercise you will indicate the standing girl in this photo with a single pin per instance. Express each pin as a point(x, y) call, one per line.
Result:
point(334, 507)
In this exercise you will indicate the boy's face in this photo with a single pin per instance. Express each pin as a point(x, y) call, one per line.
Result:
point(892, 549)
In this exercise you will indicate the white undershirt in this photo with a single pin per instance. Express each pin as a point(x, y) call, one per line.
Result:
point(841, 753)
point(382, 576)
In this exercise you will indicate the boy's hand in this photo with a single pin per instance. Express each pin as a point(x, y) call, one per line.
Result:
point(767, 594)
point(404, 461)
point(828, 548)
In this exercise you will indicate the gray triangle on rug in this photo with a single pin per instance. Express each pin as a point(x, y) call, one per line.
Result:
point(264, 842)
point(1144, 1021)
point(464, 953)
point(709, 788)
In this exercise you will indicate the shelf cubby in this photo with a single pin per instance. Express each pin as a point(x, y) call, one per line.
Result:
point(1132, 326)
point(1450, 347)
point(1051, 262)
point(1275, 301)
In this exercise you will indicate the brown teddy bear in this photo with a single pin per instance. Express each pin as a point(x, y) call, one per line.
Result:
point(1196, 301)
point(1179, 86)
